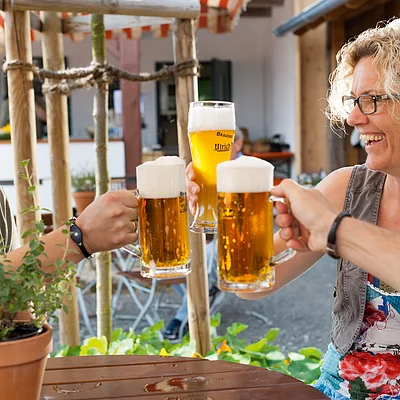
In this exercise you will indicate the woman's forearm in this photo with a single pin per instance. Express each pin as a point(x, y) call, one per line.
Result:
point(374, 249)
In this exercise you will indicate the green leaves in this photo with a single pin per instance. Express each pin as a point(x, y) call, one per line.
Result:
point(303, 365)
point(27, 287)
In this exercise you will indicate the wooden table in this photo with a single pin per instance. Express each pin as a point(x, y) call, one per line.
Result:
point(166, 378)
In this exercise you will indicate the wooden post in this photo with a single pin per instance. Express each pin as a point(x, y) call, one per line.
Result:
point(314, 84)
point(197, 282)
point(57, 128)
point(22, 112)
point(159, 8)
point(129, 56)
point(100, 118)
point(337, 145)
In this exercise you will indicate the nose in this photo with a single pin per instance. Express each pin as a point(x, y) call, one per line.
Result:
point(356, 117)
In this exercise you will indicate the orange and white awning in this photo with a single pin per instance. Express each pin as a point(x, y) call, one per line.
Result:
point(217, 16)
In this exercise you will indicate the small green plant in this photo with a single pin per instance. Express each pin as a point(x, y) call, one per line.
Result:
point(28, 287)
point(83, 181)
point(304, 364)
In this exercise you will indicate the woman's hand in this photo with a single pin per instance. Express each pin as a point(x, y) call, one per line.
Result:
point(192, 188)
point(109, 222)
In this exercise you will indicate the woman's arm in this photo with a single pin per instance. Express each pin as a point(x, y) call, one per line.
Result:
point(374, 249)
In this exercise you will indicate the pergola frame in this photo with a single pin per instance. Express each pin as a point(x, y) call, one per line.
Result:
point(23, 129)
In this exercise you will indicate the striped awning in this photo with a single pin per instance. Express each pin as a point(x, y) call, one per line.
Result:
point(217, 16)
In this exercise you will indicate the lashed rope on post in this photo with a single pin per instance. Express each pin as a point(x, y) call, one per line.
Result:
point(96, 75)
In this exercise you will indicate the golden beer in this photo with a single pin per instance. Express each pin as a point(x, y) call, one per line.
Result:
point(246, 258)
point(164, 235)
point(163, 219)
point(211, 129)
point(245, 238)
point(209, 148)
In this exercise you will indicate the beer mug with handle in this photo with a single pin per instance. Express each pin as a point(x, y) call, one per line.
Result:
point(211, 129)
point(163, 219)
point(246, 260)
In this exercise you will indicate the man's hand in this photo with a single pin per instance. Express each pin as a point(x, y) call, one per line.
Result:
point(110, 222)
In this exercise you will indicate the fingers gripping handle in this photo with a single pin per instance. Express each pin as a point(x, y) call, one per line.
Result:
point(288, 253)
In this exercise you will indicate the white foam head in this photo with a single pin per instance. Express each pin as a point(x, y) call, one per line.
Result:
point(208, 116)
point(245, 175)
point(163, 178)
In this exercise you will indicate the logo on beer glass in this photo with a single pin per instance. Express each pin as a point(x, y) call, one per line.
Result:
point(163, 219)
point(211, 129)
point(246, 258)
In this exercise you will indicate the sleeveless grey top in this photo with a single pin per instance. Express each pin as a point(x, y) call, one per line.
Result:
point(362, 200)
point(8, 232)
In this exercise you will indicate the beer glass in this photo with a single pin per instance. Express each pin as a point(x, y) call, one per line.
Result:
point(245, 226)
point(211, 129)
point(163, 219)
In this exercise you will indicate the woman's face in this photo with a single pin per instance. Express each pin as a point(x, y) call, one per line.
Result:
point(380, 131)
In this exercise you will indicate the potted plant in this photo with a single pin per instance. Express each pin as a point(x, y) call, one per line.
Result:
point(84, 184)
point(28, 297)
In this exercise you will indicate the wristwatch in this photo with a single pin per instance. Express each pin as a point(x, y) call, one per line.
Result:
point(77, 237)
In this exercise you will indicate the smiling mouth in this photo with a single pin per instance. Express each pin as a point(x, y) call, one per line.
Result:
point(369, 139)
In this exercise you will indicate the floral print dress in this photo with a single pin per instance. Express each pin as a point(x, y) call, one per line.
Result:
point(371, 368)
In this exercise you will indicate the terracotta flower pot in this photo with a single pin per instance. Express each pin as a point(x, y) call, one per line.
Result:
point(83, 199)
point(22, 365)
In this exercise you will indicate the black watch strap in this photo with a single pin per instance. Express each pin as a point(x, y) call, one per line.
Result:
point(331, 245)
point(77, 237)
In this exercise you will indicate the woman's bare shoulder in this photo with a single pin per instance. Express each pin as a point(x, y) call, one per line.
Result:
point(334, 186)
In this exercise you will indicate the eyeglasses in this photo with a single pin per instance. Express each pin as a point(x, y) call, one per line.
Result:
point(366, 103)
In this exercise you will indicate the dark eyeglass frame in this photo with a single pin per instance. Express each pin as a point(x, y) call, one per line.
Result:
point(376, 98)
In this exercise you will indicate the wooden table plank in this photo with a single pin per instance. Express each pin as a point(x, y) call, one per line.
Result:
point(294, 392)
point(98, 361)
point(166, 378)
point(149, 370)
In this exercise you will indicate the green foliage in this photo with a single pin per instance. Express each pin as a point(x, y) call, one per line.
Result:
point(303, 365)
point(83, 181)
point(28, 287)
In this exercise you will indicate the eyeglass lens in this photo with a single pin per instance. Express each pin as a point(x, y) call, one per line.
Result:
point(365, 102)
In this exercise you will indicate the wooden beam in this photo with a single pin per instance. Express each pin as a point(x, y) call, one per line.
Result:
point(22, 114)
point(131, 118)
point(81, 23)
point(197, 281)
point(148, 8)
point(313, 87)
point(57, 127)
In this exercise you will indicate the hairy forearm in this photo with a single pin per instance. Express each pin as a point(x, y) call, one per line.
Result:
point(57, 246)
point(374, 249)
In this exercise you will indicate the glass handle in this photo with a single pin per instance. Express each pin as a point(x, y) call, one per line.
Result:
point(295, 223)
point(288, 253)
point(282, 257)
point(134, 250)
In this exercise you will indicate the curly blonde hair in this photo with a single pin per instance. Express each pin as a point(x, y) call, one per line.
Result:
point(383, 45)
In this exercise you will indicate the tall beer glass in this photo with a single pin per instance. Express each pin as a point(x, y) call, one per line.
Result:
point(163, 219)
point(211, 130)
point(245, 226)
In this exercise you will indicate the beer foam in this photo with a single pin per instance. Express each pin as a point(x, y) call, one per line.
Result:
point(208, 118)
point(245, 175)
point(162, 178)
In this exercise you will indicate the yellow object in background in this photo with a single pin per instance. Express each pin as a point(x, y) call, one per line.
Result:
point(5, 129)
